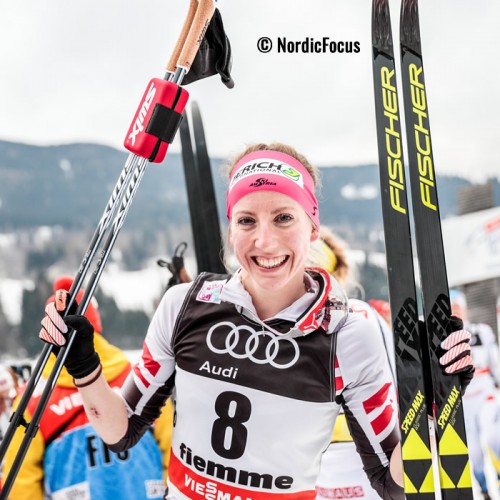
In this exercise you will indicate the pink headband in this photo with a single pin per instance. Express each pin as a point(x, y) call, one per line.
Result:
point(273, 171)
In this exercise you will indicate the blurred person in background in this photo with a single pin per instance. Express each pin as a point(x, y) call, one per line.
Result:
point(481, 402)
point(8, 392)
point(341, 474)
point(383, 308)
point(67, 459)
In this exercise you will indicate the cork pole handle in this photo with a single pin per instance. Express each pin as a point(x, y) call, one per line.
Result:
point(199, 14)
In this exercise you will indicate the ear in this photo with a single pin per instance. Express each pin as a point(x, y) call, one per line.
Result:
point(314, 233)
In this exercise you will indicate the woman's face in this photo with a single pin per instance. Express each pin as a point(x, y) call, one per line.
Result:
point(271, 235)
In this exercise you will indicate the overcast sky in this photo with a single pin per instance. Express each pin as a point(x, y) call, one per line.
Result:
point(74, 71)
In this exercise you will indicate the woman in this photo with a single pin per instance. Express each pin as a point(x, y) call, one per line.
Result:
point(263, 359)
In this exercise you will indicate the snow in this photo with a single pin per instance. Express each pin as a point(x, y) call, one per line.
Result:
point(43, 235)
point(131, 290)
point(7, 240)
point(359, 257)
point(134, 290)
point(355, 192)
point(11, 295)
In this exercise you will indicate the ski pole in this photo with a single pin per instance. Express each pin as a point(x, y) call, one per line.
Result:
point(152, 130)
point(174, 58)
point(17, 416)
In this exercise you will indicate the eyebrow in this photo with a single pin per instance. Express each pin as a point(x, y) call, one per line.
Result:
point(275, 211)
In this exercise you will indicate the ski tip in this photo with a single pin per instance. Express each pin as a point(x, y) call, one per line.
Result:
point(196, 113)
point(409, 27)
point(381, 28)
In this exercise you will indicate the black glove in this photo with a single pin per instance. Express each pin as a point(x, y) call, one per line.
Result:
point(455, 358)
point(82, 359)
point(213, 56)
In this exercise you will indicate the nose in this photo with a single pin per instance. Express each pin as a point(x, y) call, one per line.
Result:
point(265, 237)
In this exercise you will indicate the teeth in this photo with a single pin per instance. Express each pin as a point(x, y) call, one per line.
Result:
point(270, 263)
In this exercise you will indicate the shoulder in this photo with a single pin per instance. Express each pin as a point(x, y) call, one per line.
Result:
point(361, 354)
point(206, 287)
point(173, 298)
point(360, 307)
point(175, 295)
point(364, 311)
point(360, 336)
point(168, 309)
point(360, 326)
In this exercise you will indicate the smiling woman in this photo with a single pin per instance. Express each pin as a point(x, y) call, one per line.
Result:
point(261, 360)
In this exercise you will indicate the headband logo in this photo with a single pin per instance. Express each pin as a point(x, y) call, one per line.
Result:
point(292, 173)
point(262, 182)
point(267, 166)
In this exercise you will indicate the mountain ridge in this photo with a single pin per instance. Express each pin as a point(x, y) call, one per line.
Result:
point(70, 184)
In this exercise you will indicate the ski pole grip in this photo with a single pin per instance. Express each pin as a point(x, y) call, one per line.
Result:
point(193, 6)
point(156, 120)
point(198, 26)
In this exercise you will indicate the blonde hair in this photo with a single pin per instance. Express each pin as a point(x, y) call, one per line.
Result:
point(339, 247)
point(332, 250)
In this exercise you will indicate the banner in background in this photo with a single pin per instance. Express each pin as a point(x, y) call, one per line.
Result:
point(472, 246)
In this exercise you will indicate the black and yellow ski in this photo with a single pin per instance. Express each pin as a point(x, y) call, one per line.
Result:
point(416, 350)
point(454, 470)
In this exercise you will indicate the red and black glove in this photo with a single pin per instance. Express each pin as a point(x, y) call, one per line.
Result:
point(456, 356)
point(82, 359)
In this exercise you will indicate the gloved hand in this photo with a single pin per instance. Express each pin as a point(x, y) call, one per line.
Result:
point(213, 56)
point(456, 357)
point(82, 359)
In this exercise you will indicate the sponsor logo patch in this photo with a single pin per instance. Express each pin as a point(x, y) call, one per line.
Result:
point(210, 291)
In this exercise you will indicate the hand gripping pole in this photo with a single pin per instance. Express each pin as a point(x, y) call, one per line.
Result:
point(161, 125)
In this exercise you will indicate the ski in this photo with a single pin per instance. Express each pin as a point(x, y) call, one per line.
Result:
point(201, 194)
point(214, 240)
point(193, 194)
point(410, 355)
point(454, 465)
point(416, 352)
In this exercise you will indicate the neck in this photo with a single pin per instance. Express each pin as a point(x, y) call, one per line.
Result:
point(268, 302)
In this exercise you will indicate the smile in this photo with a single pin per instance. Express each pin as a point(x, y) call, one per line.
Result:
point(270, 263)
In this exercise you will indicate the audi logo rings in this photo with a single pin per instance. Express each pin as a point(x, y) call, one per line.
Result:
point(232, 339)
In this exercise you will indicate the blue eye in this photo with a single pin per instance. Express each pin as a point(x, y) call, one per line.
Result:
point(245, 221)
point(283, 218)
